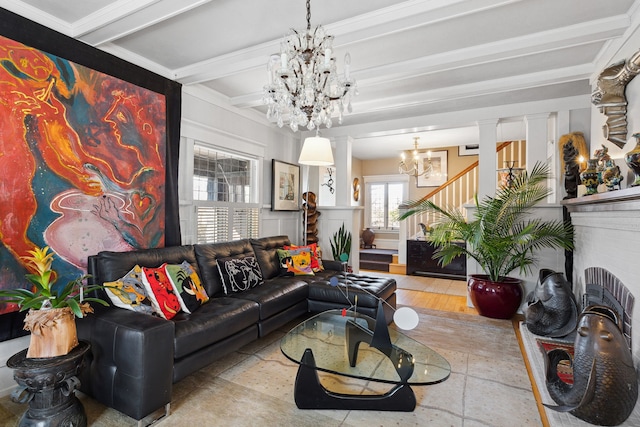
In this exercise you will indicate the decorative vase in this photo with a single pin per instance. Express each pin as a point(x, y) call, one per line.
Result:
point(590, 178)
point(498, 300)
point(368, 236)
point(633, 160)
point(53, 332)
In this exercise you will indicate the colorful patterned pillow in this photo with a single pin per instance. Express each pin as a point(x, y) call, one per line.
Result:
point(161, 292)
point(239, 274)
point(297, 261)
point(129, 292)
point(316, 255)
point(286, 263)
point(185, 281)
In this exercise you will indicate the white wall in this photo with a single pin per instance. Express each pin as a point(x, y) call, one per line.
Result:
point(206, 118)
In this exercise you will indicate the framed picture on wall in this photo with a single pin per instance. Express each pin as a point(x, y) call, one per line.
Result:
point(469, 150)
point(285, 190)
point(437, 162)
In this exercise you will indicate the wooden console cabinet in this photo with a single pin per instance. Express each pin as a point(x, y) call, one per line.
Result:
point(420, 263)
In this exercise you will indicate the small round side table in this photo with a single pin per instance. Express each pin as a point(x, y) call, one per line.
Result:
point(48, 385)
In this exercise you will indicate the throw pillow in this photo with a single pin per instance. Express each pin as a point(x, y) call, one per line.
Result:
point(129, 292)
point(191, 293)
point(297, 261)
point(161, 293)
point(239, 274)
point(286, 263)
point(316, 255)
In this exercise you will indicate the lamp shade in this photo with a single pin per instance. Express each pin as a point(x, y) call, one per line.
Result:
point(316, 151)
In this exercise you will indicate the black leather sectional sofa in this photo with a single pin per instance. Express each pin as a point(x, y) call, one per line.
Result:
point(135, 358)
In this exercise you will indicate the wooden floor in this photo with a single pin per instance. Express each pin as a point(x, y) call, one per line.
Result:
point(434, 301)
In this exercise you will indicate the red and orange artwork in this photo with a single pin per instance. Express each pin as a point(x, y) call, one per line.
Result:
point(82, 162)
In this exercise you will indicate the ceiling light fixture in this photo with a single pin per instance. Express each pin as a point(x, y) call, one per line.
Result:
point(414, 168)
point(304, 86)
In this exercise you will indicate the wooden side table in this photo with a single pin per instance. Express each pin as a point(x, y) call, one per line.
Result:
point(48, 385)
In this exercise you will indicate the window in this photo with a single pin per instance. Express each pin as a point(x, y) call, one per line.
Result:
point(224, 193)
point(384, 196)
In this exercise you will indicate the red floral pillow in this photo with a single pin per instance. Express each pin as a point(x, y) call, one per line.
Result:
point(161, 292)
point(316, 255)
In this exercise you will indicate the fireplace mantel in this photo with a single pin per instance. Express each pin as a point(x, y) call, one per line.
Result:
point(618, 200)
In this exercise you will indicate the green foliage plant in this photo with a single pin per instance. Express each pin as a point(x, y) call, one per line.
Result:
point(43, 295)
point(503, 235)
point(341, 244)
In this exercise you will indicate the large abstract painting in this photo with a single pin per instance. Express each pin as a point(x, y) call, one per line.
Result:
point(83, 161)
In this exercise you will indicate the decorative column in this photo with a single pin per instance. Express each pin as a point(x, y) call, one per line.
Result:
point(537, 136)
point(343, 212)
point(487, 175)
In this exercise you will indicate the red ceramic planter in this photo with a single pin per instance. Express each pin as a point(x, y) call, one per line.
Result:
point(498, 300)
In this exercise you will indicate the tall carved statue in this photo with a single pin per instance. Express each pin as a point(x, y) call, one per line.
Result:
point(610, 98)
point(310, 217)
point(572, 146)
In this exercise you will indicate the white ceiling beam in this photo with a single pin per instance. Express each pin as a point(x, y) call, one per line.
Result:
point(253, 57)
point(155, 11)
point(108, 14)
point(389, 20)
point(483, 88)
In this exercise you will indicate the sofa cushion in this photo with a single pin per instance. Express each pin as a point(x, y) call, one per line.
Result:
point(265, 250)
point(207, 256)
point(216, 320)
point(129, 292)
point(239, 274)
point(187, 283)
point(276, 295)
point(163, 296)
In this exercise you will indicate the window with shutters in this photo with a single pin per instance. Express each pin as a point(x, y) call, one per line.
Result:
point(224, 194)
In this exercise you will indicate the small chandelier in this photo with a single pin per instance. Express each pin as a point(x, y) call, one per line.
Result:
point(304, 86)
point(413, 168)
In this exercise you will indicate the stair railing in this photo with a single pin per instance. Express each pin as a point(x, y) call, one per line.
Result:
point(458, 191)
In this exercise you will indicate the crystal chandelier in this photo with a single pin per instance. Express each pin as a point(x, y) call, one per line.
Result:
point(413, 168)
point(304, 86)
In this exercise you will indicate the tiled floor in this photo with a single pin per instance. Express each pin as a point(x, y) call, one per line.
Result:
point(488, 386)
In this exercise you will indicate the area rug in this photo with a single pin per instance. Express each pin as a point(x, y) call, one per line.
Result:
point(488, 385)
point(534, 354)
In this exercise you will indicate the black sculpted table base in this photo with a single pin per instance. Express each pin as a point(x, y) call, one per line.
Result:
point(388, 357)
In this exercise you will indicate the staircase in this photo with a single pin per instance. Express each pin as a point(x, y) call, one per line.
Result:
point(460, 189)
point(377, 259)
point(456, 192)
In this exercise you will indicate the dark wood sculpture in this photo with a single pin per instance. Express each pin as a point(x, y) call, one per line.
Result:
point(310, 216)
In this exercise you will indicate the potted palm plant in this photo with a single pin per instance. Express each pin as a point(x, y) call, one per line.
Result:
point(51, 309)
point(502, 237)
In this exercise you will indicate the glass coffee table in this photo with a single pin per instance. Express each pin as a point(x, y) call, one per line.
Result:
point(354, 345)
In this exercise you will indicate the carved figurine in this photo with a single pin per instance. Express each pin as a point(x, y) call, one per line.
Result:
point(605, 384)
point(551, 309)
point(310, 217)
point(610, 97)
point(571, 169)
point(611, 176)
